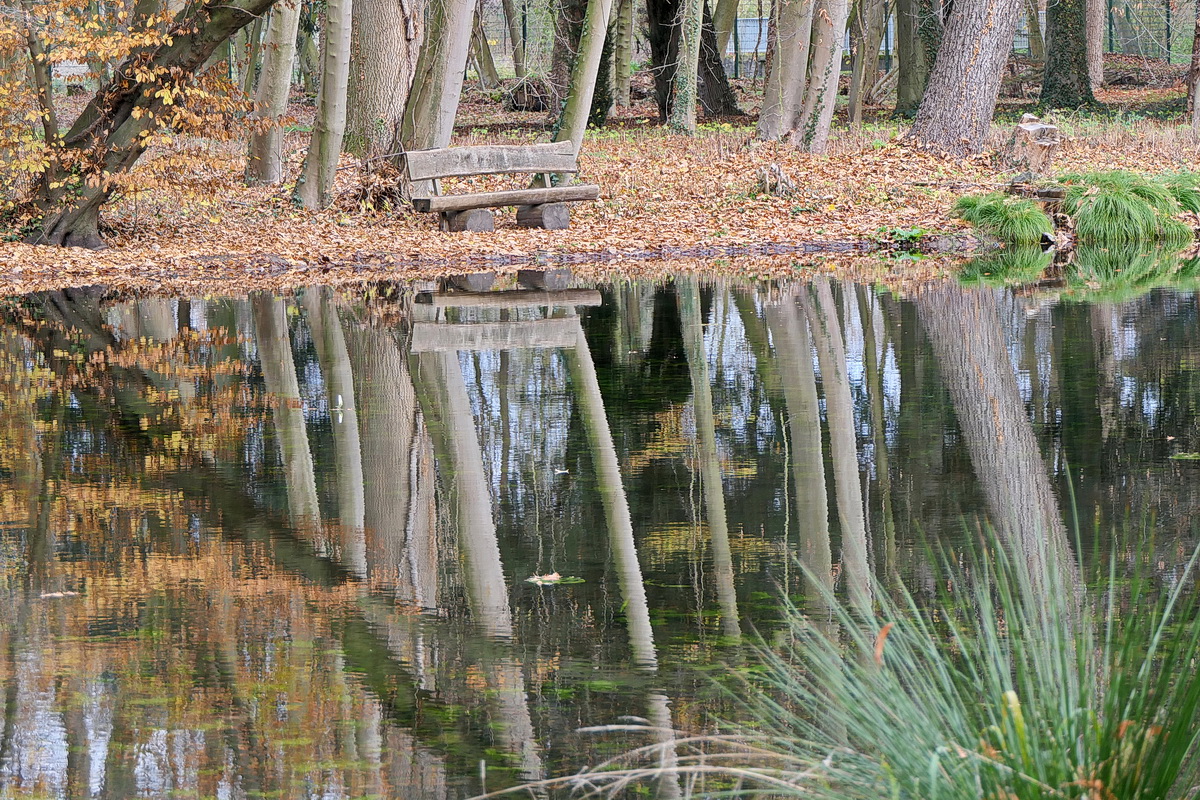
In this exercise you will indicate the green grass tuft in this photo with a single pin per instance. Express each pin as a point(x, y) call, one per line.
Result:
point(1012, 266)
point(1124, 272)
point(1010, 219)
point(1117, 207)
point(1185, 188)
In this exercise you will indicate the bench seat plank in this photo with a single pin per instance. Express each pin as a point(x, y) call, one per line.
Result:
point(510, 197)
point(458, 162)
point(433, 337)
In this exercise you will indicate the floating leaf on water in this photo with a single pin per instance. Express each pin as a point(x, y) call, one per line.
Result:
point(553, 578)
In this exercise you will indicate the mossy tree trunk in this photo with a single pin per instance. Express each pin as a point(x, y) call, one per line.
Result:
point(385, 40)
point(574, 119)
point(437, 82)
point(110, 134)
point(829, 27)
point(913, 68)
point(623, 54)
point(1033, 18)
point(1067, 82)
point(682, 117)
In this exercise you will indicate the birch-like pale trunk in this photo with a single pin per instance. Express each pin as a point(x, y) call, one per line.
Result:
point(314, 189)
point(724, 18)
point(385, 40)
point(788, 70)
point(428, 120)
point(871, 19)
point(265, 161)
point(828, 27)
point(684, 89)
point(574, 118)
point(481, 51)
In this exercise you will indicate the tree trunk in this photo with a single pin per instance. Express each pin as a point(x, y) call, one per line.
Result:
point(1193, 78)
point(254, 51)
point(485, 65)
point(872, 22)
point(662, 18)
point(568, 28)
point(308, 56)
point(574, 119)
point(514, 33)
point(682, 118)
point(956, 112)
point(724, 19)
point(265, 161)
point(816, 117)
point(109, 133)
point(1096, 17)
point(39, 69)
point(623, 53)
point(787, 68)
point(1033, 18)
point(1066, 82)
point(913, 68)
point(437, 81)
point(315, 185)
point(385, 39)
point(716, 95)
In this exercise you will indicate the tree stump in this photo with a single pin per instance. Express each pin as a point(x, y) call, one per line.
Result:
point(474, 219)
point(1033, 144)
point(551, 216)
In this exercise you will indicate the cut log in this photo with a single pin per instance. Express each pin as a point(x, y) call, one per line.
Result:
point(458, 162)
point(510, 197)
point(515, 298)
point(473, 281)
point(538, 333)
point(472, 219)
point(551, 216)
point(552, 279)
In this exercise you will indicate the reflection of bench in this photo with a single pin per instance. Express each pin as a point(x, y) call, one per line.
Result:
point(536, 208)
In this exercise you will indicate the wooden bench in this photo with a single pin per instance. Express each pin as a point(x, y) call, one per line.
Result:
point(536, 208)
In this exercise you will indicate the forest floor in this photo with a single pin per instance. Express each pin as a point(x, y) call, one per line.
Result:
point(668, 203)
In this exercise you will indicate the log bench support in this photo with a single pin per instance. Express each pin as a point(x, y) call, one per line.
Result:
point(536, 207)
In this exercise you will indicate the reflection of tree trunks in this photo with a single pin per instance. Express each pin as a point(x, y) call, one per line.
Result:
point(706, 452)
point(1107, 391)
point(443, 397)
point(965, 330)
point(874, 382)
point(397, 459)
point(843, 446)
point(330, 344)
point(616, 505)
point(287, 410)
point(793, 350)
point(659, 716)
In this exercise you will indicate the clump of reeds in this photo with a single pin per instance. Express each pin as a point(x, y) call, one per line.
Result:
point(1119, 207)
point(1017, 683)
point(1011, 266)
point(1011, 219)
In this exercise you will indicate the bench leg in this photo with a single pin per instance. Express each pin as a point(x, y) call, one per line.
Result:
point(475, 219)
point(551, 216)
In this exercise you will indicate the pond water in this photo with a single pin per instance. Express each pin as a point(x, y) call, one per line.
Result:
point(280, 546)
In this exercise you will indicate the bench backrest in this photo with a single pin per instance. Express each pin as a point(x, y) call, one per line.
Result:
point(457, 162)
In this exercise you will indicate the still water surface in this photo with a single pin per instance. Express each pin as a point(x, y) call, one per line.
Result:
point(279, 546)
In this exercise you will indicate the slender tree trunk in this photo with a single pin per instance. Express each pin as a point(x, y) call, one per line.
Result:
point(573, 121)
point(1097, 12)
point(682, 118)
point(913, 68)
point(1193, 78)
point(513, 20)
point(568, 28)
point(265, 161)
point(956, 113)
point(1033, 17)
point(39, 69)
point(308, 59)
point(724, 18)
point(1066, 82)
point(482, 51)
point(385, 40)
point(787, 68)
point(109, 134)
point(873, 16)
point(716, 95)
point(816, 117)
point(315, 185)
point(254, 51)
point(438, 78)
point(623, 53)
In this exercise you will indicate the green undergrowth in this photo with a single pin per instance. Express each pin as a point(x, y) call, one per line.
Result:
point(1022, 676)
point(1019, 265)
point(1006, 217)
point(1118, 207)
